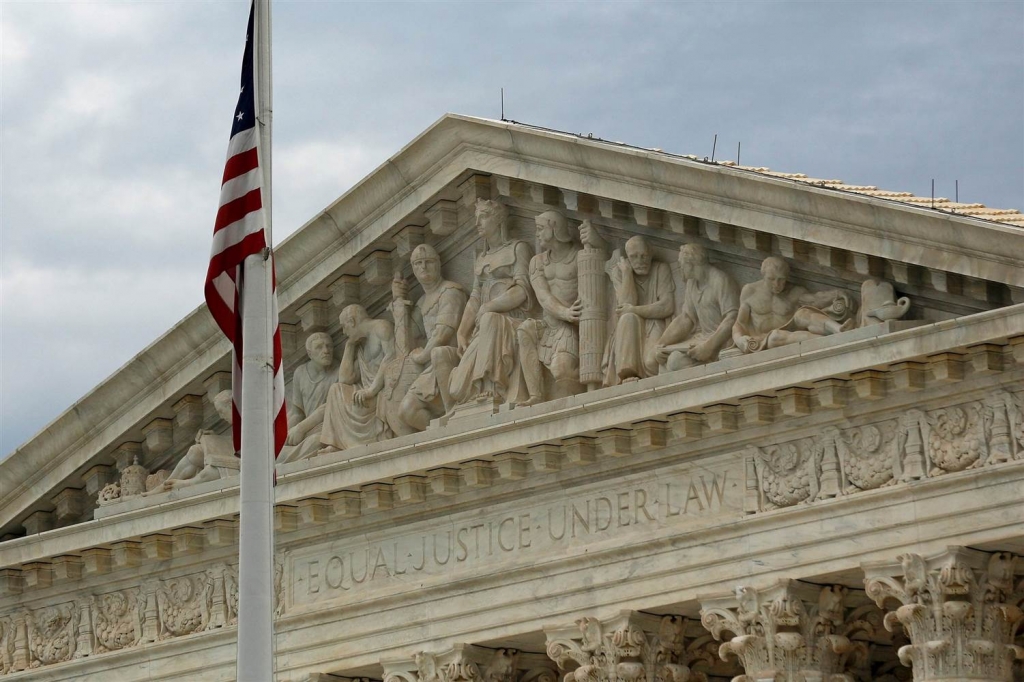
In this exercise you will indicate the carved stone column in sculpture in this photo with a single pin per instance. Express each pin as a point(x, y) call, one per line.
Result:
point(631, 647)
point(790, 632)
point(961, 610)
point(469, 663)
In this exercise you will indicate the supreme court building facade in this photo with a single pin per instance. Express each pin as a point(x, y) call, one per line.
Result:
point(563, 408)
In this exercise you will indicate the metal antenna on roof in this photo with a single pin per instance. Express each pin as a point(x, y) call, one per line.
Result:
point(958, 191)
point(503, 104)
point(933, 192)
point(713, 145)
point(738, 145)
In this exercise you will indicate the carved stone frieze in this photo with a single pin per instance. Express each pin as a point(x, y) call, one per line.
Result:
point(917, 444)
point(631, 647)
point(790, 632)
point(117, 620)
point(961, 610)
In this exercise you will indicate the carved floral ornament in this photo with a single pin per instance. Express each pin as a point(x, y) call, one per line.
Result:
point(918, 444)
point(470, 663)
point(961, 609)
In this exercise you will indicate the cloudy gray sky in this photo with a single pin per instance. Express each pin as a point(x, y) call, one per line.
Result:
point(115, 115)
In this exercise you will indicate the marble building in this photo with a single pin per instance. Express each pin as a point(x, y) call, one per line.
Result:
point(565, 410)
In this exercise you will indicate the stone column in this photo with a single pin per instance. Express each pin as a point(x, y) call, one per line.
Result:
point(961, 610)
point(789, 632)
point(469, 663)
point(630, 647)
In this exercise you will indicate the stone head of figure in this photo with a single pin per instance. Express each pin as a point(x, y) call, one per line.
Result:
point(492, 220)
point(350, 318)
point(320, 349)
point(552, 227)
point(638, 253)
point(693, 261)
point(426, 265)
point(775, 273)
point(222, 403)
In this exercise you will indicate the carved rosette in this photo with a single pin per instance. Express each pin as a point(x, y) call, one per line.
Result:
point(790, 632)
point(469, 663)
point(631, 647)
point(961, 610)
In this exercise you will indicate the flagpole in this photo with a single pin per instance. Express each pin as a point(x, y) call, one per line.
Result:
point(255, 661)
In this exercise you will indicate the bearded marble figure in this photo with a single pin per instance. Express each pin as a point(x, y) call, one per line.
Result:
point(353, 414)
point(435, 318)
point(775, 312)
point(645, 297)
point(499, 302)
point(552, 344)
point(308, 396)
point(211, 457)
point(710, 305)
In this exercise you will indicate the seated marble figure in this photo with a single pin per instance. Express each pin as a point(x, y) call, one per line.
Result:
point(645, 300)
point(704, 326)
point(775, 312)
point(353, 414)
point(211, 457)
point(502, 296)
point(308, 397)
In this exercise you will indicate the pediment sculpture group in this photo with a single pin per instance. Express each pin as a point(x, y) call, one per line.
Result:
point(535, 327)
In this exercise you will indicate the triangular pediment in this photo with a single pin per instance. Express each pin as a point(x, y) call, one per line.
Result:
point(949, 265)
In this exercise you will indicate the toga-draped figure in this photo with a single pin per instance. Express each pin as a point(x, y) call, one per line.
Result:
point(307, 398)
point(645, 297)
point(353, 414)
point(435, 319)
point(498, 304)
point(710, 304)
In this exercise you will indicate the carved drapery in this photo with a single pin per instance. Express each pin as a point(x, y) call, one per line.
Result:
point(469, 663)
point(791, 632)
point(961, 610)
point(631, 647)
point(918, 444)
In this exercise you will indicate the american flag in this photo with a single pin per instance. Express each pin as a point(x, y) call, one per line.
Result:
point(238, 233)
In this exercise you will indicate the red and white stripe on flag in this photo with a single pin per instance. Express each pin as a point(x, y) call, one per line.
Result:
point(238, 233)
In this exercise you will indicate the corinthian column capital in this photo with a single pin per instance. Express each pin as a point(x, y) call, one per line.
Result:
point(470, 663)
point(961, 610)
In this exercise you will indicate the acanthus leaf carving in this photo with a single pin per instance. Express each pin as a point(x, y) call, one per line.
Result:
point(51, 634)
point(117, 620)
point(184, 605)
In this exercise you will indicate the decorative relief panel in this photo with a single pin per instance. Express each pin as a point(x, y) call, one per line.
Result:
point(469, 663)
point(918, 444)
point(113, 621)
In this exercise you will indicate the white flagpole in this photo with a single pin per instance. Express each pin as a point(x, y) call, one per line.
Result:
point(255, 662)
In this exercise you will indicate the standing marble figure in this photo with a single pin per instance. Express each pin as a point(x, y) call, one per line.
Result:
point(501, 298)
point(552, 343)
point(435, 317)
point(353, 415)
point(645, 297)
point(774, 312)
point(710, 305)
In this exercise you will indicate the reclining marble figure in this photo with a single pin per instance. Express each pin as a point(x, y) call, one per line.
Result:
point(551, 344)
point(211, 457)
point(645, 297)
point(499, 302)
point(353, 414)
point(308, 397)
point(710, 305)
point(434, 318)
point(775, 312)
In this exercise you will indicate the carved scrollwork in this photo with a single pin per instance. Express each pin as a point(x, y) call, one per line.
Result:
point(118, 620)
point(468, 663)
point(184, 605)
point(956, 438)
point(51, 634)
point(868, 455)
point(786, 472)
